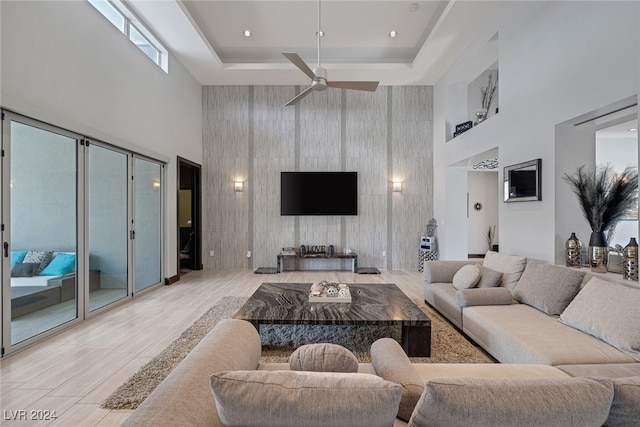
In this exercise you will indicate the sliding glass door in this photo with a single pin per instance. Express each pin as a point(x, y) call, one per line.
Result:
point(42, 243)
point(82, 228)
point(108, 212)
point(147, 222)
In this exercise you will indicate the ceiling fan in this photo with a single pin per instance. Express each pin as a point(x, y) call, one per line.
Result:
point(318, 75)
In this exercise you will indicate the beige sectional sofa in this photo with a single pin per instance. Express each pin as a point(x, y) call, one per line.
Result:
point(389, 391)
point(521, 332)
point(569, 357)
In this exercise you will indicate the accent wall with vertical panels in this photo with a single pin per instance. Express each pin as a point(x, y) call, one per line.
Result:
point(248, 135)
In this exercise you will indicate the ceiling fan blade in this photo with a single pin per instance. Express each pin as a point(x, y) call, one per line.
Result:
point(299, 96)
point(298, 62)
point(368, 86)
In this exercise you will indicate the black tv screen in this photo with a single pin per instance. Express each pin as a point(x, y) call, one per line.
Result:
point(319, 193)
point(524, 183)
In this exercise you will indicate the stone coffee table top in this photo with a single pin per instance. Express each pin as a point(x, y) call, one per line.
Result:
point(372, 304)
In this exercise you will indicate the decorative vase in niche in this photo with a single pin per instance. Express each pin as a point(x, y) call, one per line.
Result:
point(598, 252)
point(630, 260)
point(573, 248)
point(481, 116)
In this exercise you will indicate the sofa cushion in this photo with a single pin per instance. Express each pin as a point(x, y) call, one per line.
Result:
point(323, 357)
point(484, 296)
point(518, 333)
point(17, 256)
point(489, 278)
point(467, 277)
point(429, 371)
point(184, 397)
point(293, 398)
point(25, 269)
point(605, 370)
point(443, 296)
point(625, 409)
point(43, 257)
point(511, 266)
point(60, 265)
point(549, 288)
point(442, 271)
point(510, 402)
point(609, 312)
point(392, 364)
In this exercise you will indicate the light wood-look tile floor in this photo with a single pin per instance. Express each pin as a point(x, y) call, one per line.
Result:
point(72, 372)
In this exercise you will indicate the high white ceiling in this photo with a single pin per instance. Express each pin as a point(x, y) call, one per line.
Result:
point(206, 37)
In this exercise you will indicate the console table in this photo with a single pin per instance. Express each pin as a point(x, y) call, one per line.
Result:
point(322, 256)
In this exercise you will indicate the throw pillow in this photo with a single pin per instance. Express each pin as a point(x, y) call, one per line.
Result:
point(42, 257)
point(24, 269)
point(513, 402)
point(310, 399)
point(607, 311)
point(467, 277)
point(17, 256)
point(489, 278)
point(485, 296)
point(323, 358)
point(391, 363)
point(60, 265)
point(549, 288)
point(625, 409)
point(510, 265)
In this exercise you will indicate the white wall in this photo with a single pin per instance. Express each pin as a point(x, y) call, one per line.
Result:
point(557, 60)
point(63, 63)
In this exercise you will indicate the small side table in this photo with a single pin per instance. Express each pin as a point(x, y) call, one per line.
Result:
point(426, 256)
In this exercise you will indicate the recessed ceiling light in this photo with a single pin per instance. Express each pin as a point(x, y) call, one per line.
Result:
point(633, 130)
point(319, 33)
point(246, 33)
point(393, 33)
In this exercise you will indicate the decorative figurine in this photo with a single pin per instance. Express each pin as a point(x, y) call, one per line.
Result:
point(331, 290)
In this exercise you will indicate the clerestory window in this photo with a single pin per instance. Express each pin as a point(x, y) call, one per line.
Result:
point(126, 22)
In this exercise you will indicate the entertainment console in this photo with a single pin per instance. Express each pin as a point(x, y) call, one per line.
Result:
point(317, 256)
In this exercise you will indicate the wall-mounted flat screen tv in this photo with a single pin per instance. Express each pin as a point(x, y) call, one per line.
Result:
point(319, 193)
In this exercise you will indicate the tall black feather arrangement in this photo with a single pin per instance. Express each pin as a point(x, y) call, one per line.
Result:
point(604, 195)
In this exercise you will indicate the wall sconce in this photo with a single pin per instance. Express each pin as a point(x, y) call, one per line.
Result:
point(238, 186)
point(397, 186)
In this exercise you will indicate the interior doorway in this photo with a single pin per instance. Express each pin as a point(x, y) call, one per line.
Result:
point(189, 216)
point(482, 212)
point(483, 190)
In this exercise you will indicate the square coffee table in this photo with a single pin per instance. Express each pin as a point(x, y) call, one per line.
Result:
point(371, 304)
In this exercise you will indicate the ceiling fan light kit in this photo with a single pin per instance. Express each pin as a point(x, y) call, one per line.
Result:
point(318, 75)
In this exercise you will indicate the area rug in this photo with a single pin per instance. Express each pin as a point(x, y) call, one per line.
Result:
point(278, 341)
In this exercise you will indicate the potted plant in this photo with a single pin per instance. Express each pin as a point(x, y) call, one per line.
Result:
point(604, 197)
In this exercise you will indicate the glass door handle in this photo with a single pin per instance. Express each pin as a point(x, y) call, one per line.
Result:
point(6, 249)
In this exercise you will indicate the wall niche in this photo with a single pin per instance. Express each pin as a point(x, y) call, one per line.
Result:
point(465, 108)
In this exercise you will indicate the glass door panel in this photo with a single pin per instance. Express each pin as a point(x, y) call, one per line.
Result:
point(43, 222)
point(108, 225)
point(147, 223)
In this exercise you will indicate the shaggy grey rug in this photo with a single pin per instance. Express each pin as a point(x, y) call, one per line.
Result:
point(279, 341)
